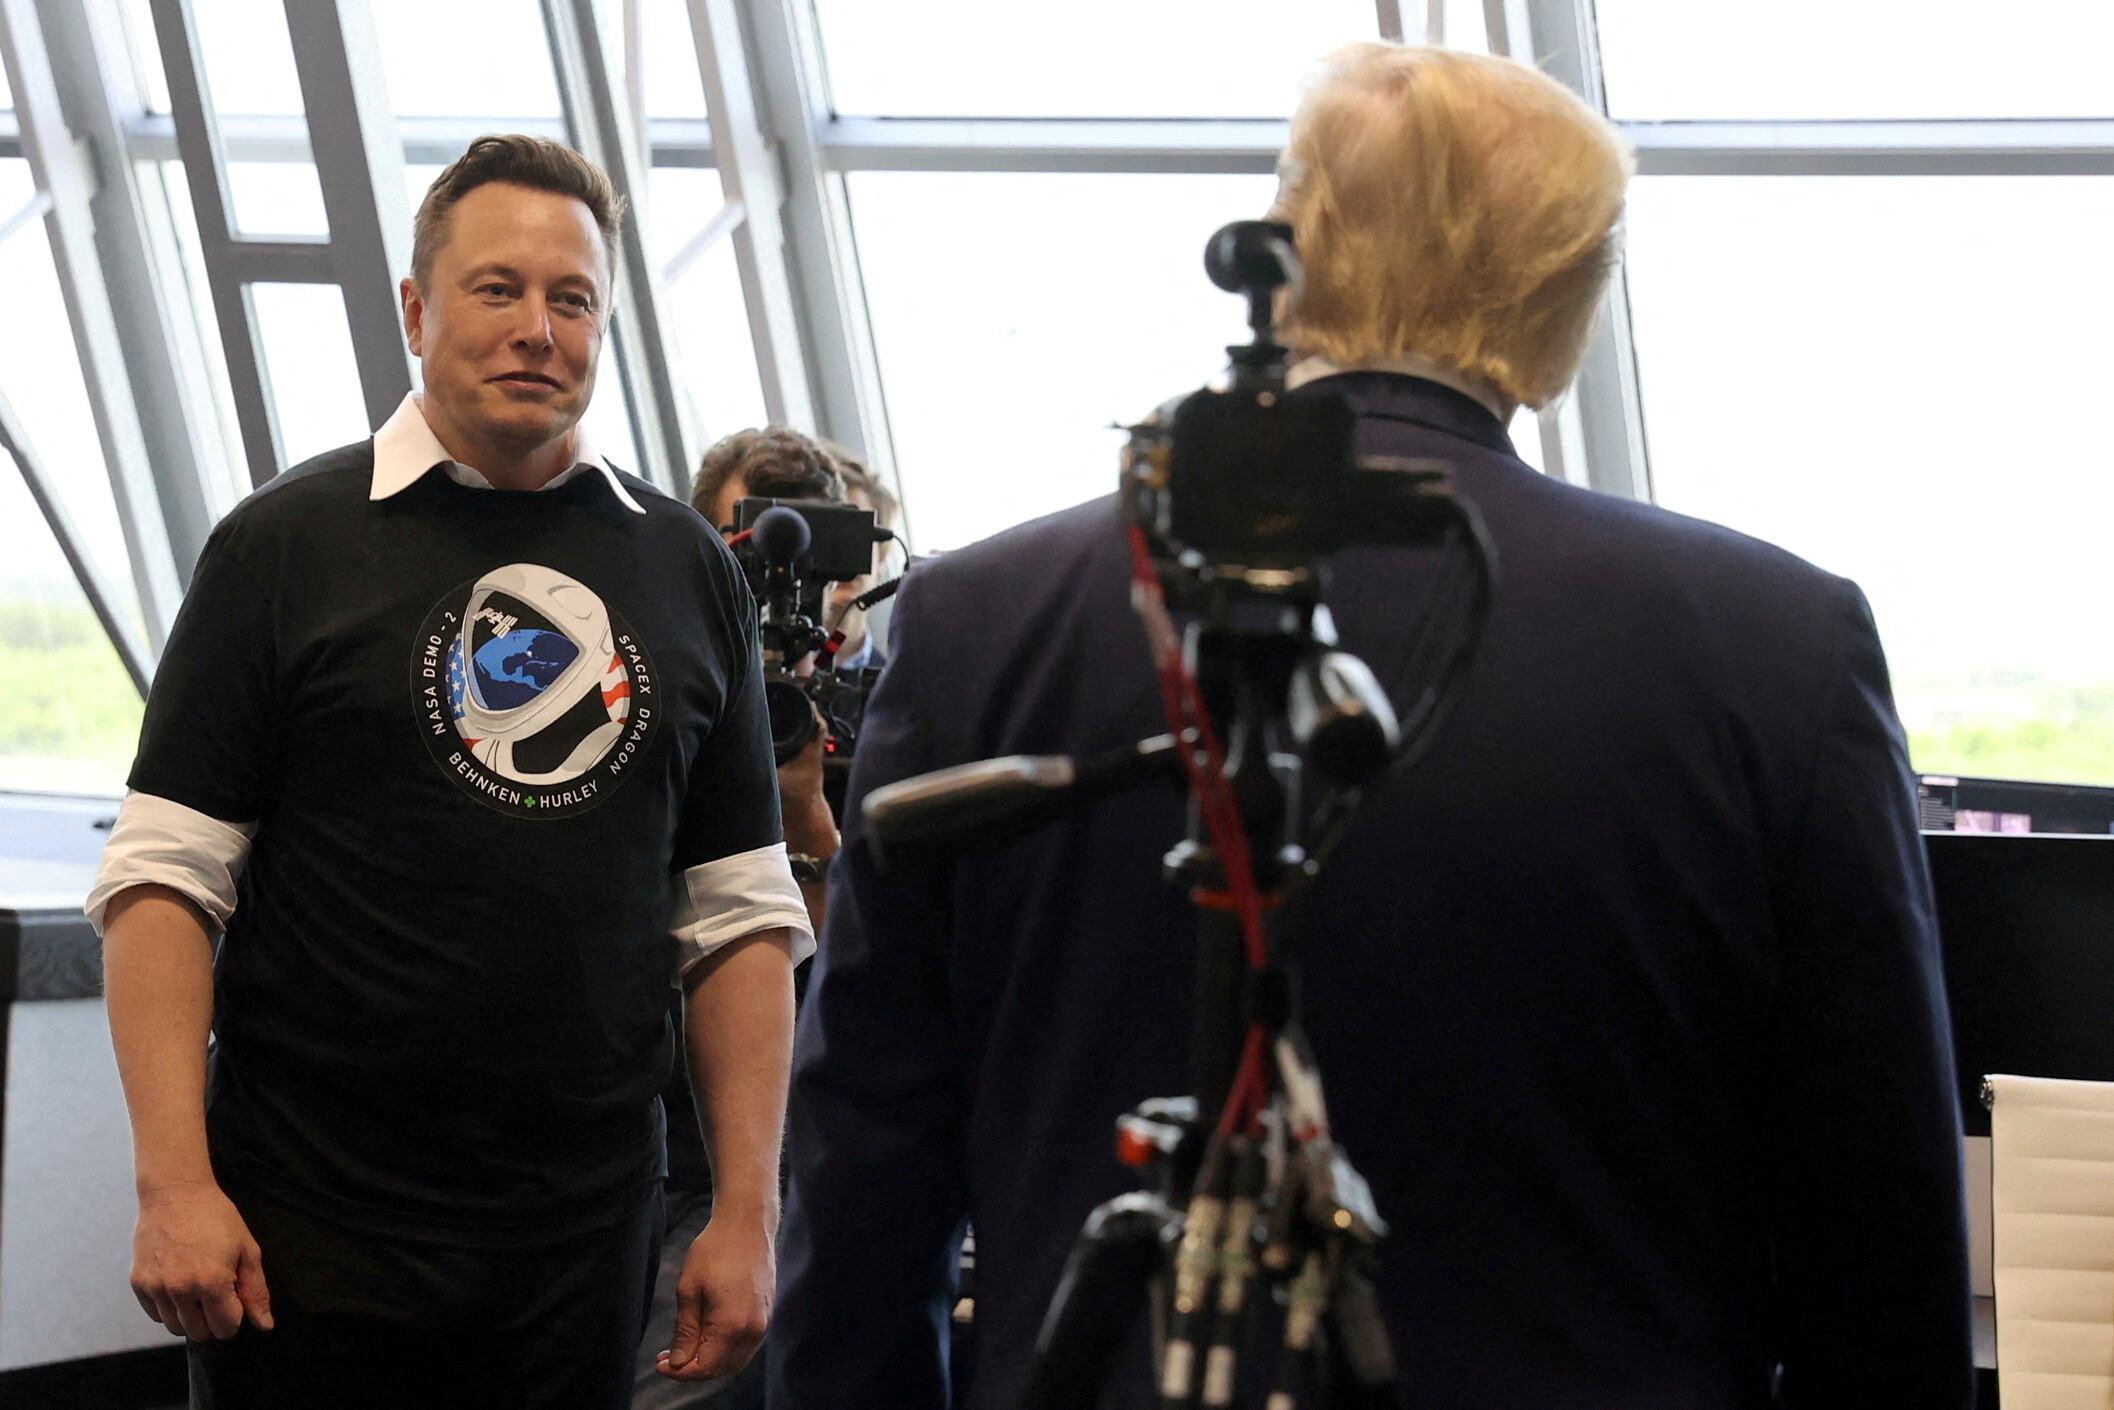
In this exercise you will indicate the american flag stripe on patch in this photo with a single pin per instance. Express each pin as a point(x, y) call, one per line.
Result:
point(616, 689)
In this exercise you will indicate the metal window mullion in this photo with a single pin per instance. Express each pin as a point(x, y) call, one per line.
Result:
point(600, 124)
point(91, 69)
point(360, 165)
point(61, 170)
point(102, 596)
point(205, 171)
point(821, 254)
point(1696, 147)
point(1559, 37)
point(749, 181)
point(1213, 145)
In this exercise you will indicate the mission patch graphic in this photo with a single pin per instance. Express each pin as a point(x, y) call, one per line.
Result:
point(531, 694)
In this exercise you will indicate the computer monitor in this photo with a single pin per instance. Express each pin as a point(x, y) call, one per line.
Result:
point(2027, 928)
point(1950, 804)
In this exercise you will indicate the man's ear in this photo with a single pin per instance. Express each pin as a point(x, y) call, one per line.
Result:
point(414, 316)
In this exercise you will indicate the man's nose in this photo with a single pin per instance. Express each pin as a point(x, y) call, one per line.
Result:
point(532, 331)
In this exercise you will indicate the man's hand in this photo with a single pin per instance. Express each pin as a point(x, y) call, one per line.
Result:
point(722, 1300)
point(808, 825)
point(195, 1268)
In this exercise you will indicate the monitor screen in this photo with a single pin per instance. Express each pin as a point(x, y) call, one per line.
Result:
point(2027, 928)
point(1951, 804)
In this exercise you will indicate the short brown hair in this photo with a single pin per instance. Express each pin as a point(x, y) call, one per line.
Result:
point(535, 162)
point(775, 462)
point(857, 478)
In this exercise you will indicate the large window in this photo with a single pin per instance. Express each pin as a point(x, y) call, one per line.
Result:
point(1021, 319)
point(1889, 376)
point(1819, 59)
point(69, 716)
point(68, 712)
point(1859, 320)
point(1089, 58)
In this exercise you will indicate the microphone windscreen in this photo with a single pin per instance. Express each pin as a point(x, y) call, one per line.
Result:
point(780, 534)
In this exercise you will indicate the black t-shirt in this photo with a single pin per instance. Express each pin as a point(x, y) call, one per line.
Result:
point(480, 732)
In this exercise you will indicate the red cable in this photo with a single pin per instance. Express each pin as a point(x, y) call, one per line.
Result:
point(1204, 762)
point(742, 537)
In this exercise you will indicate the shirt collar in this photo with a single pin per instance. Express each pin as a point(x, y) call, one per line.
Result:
point(405, 448)
point(1313, 369)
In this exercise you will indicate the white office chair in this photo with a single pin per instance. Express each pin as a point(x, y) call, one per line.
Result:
point(2052, 1213)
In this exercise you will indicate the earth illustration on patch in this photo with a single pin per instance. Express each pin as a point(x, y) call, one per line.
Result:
point(514, 669)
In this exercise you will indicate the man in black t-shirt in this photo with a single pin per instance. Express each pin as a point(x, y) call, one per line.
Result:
point(467, 792)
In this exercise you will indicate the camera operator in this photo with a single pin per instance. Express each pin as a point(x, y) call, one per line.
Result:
point(863, 488)
point(1628, 992)
point(776, 463)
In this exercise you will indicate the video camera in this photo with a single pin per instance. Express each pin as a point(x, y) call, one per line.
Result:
point(1258, 477)
point(792, 550)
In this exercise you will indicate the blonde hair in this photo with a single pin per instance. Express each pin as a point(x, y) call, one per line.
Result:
point(1462, 208)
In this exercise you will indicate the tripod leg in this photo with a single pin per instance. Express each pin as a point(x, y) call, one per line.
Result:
point(1123, 1245)
point(1363, 1374)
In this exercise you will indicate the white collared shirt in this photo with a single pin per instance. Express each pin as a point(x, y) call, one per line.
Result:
point(405, 448)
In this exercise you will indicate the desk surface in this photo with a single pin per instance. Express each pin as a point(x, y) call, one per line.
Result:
point(48, 850)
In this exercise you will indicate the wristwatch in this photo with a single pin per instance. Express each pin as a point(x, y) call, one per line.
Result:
point(808, 869)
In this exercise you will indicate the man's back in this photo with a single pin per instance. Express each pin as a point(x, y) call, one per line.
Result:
point(1625, 996)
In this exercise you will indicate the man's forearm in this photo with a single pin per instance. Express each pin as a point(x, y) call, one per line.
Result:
point(158, 989)
point(812, 832)
point(738, 1025)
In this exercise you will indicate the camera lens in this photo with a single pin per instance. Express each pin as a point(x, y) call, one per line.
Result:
point(792, 717)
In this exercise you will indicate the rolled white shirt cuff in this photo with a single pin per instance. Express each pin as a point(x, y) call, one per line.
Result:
point(719, 902)
point(156, 841)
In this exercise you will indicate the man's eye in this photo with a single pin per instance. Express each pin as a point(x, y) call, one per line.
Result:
point(497, 291)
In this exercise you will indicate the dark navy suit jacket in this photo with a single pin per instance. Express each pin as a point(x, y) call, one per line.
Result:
point(1627, 997)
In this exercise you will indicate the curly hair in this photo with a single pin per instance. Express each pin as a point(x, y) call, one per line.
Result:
point(775, 462)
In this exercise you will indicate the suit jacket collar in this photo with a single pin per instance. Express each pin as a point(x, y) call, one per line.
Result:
point(1396, 396)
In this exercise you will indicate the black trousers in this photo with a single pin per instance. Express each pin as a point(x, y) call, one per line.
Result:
point(364, 1323)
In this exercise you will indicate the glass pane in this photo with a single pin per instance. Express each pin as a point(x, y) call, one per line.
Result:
point(41, 379)
point(69, 715)
point(1525, 431)
point(673, 88)
point(490, 58)
point(1857, 59)
point(277, 198)
point(1465, 27)
point(1020, 317)
point(1089, 58)
point(1892, 378)
point(144, 55)
point(706, 319)
point(249, 60)
point(308, 358)
point(417, 179)
point(608, 420)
